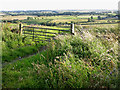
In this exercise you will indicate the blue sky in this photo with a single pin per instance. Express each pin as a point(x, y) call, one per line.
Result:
point(57, 4)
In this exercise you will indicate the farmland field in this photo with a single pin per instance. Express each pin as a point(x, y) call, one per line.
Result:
point(14, 17)
point(87, 59)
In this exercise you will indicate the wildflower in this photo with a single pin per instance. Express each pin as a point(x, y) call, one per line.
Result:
point(55, 60)
point(57, 57)
point(50, 63)
point(110, 73)
point(111, 50)
point(70, 66)
point(107, 50)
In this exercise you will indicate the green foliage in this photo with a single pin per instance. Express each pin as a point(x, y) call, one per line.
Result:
point(35, 21)
point(29, 18)
point(11, 54)
point(15, 46)
point(68, 62)
point(88, 59)
point(89, 19)
point(99, 18)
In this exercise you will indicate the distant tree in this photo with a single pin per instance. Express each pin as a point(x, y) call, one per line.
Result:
point(89, 20)
point(108, 21)
point(29, 18)
point(60, 23)
point(66, 22)
point(99, 18)
point(49, 24)
point(15, 21)
point(5, 21)
point(54, 24)
point(35, 17)
point(108, 15)
point(72, 22)
point(91, 17)
point(63, 23)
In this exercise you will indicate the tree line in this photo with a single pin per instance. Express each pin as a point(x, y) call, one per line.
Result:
point(53, 13)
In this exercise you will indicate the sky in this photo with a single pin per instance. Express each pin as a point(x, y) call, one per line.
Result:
point(10, 5)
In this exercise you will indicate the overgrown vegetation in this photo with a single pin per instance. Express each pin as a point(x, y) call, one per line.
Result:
point(88, 59)
point(16, 46)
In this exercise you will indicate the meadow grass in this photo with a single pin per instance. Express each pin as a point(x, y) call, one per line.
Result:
point(16, 46)
point(83, 60)
point(69, 20)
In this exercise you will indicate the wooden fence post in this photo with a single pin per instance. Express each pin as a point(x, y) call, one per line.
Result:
point(72, 28)
point(33, 33)
point(20, 29)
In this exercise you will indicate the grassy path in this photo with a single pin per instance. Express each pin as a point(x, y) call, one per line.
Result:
point(41, 49)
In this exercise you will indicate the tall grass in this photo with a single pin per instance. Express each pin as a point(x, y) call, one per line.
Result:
point(16, 46)
point(79, 64)
point(79, 61)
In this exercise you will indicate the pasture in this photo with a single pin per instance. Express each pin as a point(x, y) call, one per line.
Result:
point(21, 17)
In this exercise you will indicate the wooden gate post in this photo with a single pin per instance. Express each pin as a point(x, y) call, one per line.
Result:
point(33, 33)
point(72, 28)
point(20, 29)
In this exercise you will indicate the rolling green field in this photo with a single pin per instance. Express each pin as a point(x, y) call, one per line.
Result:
point(70, 17)
point(64, 19)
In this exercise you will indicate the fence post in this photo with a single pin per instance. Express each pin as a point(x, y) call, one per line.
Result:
point(20, 29)
point(33, 33)
point(72, 28)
